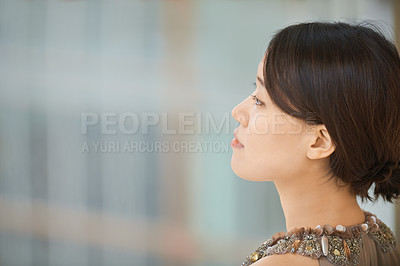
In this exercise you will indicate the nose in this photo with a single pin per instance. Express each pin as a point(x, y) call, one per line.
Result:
point(239, 113)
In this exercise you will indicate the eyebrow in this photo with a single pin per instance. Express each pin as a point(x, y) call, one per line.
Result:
point(261, 81)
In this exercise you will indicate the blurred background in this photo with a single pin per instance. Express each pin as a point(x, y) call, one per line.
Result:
point(80, 186)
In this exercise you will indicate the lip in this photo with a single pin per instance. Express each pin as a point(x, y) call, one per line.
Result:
point(235, 141)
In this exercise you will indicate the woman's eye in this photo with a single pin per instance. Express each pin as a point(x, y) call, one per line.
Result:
point(256, 100)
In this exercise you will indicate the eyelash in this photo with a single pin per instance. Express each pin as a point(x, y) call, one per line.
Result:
point(256, 100)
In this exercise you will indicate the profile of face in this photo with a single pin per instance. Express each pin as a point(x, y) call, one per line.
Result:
point(270, 144)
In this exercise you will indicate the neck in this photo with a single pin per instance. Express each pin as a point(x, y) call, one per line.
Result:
point(312, 202)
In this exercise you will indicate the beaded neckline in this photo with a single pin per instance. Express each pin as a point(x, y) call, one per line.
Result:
point(340, 244)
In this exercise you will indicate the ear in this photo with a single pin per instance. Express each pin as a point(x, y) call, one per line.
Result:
point(321, 145)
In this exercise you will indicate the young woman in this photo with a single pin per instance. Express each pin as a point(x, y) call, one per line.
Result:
point(324, 125)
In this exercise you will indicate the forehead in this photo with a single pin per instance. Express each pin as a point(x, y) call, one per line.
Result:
point(260, 72)
point(260, 67)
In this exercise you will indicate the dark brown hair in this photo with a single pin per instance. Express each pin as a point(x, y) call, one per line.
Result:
point(346, 77)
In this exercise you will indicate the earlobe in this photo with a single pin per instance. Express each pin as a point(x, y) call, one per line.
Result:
point(322, 145)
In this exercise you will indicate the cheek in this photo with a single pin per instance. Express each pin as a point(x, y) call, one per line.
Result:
point(273, 136)
point(274, 124)
point(259, 125)
point(273, 147)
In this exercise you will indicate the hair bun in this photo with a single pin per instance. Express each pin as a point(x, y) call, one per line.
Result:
point(383, 172)
point(387, 180)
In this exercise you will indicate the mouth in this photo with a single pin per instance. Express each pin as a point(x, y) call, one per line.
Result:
point(235, 142)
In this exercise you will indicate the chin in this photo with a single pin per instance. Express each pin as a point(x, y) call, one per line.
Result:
point(237, 167)
point(243, 171)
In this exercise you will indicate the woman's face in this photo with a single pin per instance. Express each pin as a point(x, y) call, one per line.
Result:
point(273, 143)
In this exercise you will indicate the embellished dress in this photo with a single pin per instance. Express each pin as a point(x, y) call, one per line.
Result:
point(367, 244)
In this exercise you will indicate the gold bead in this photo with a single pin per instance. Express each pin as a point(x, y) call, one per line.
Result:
point(336, 252)
point(309, 248)
point(254, 256)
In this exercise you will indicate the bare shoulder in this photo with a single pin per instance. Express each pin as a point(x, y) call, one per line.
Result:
point(287, 259)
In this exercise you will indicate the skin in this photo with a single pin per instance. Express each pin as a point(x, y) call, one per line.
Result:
point(295, 156)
